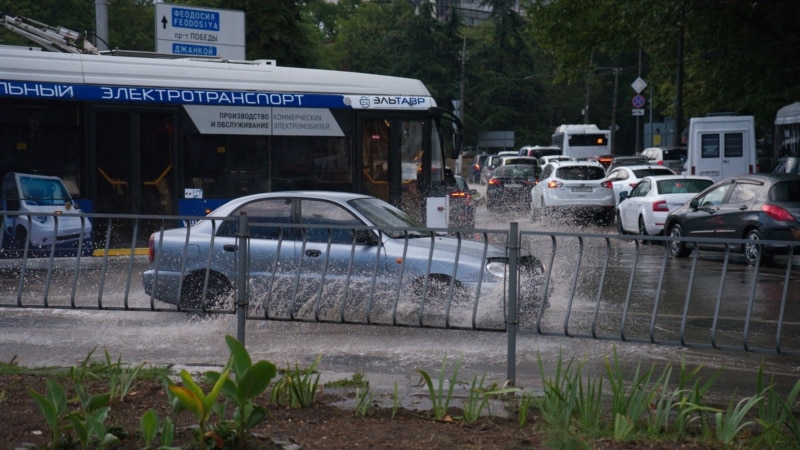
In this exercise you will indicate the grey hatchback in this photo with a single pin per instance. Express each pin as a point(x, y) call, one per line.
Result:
point(336, 253)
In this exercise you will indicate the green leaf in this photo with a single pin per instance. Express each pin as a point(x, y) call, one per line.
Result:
point(241, 358)
point(255, 380)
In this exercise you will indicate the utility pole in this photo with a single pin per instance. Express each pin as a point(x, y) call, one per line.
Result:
point(101, 24)
point(614, 111)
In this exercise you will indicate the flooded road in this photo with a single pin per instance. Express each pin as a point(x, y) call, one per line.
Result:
point(575, 324)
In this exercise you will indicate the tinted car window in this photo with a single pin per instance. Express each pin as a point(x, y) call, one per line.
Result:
point(514, 171)
point(682, 186)
point(785, 191)
point(641, 173)
point(580, 173)
point(674, 154)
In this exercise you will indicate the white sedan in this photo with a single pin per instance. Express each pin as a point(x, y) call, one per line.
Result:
point(624, 178)
point(645, 210)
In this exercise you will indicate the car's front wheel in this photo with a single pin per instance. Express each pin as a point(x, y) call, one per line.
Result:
point(677, 248)
point(753, 248)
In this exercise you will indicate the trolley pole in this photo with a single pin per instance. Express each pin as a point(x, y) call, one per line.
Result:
point(513, 263)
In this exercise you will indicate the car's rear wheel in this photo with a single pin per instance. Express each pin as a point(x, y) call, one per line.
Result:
point(218, 293)
point(752, 249)
point(678, 249)
point(643, 230)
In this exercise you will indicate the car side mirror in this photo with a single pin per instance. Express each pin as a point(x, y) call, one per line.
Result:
point(694, 203)
point(366, 237)
point(622, 196)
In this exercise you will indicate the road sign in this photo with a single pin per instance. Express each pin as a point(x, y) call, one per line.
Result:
point(637, 112)
point(638, 85)
point(192, 31)
point(638, 101)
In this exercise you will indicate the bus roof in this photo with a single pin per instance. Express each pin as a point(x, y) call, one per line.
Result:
point(577, 128)
point(788, 114)
point(21, 64)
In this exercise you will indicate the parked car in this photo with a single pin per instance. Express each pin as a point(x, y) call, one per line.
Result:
point(787, 164)
point(755, 207)
point(621, 161)
point(511, 185)
point(48, 217)
point(672, 157)
point(300, 242)
point(475, 168)
point(462, 205)
point(486, 171)
point(578, 187)
point(550, 158)
point(645, 210)
point(537, 151)
point(625, 178)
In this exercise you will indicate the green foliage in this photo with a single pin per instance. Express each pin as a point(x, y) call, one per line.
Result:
point(629, 402)
point(440, 395)
point(780, 425)
point(120, 376)
point(150, 427)
point(297, 387)
point(364, 400)
point(53, 406)
point(249, 382)
point(477, 399)
point(192, 398)
point(733, 420)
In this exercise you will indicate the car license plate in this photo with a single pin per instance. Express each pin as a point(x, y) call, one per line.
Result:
point(582, 189)
point(513, 185)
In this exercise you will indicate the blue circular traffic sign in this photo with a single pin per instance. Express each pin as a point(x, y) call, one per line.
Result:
point(638, 101)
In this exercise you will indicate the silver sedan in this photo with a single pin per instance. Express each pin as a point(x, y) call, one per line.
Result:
point(343, 248)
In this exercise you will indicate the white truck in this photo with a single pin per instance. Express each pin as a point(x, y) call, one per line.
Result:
point(721, 146)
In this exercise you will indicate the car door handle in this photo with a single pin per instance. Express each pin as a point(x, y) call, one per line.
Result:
point(313, 253)
point(743, 207)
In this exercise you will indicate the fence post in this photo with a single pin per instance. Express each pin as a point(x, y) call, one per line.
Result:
point(513, 263)
point(241, 277)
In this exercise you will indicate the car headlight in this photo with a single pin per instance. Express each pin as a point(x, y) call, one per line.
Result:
point(497, 268)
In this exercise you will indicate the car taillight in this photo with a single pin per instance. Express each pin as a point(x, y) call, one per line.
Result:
point(459, 194)
point(607, 184)
point(151, 249)
point(660, 205)
point(553, 184)
point(495, 182)
point(660, 163)
point(777, 213)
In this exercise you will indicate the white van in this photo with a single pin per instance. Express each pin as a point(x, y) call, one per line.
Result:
point(721, 146)
point(48, 217)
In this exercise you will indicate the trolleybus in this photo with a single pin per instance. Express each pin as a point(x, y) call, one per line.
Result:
point(145, 135)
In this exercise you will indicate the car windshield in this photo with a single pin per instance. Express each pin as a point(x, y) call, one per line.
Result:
point(580, 173)
point(43, 191)
point(682, 186)
point(674, 154)
point(384, 215)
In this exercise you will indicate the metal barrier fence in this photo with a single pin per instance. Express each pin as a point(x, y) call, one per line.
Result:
point(591, 286)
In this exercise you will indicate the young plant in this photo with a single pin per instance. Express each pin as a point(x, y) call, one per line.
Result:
point(440, 398)
point(780, 426)
point(628, 405)
point(395, 401)
point(477, 400)
point(192, 398)
point(562, 399)
point(733, 420)
point(150, 427)
point(53, 406)
point(120, 377)
point(297, 388)
point(249, 382)
point(363, 401)
point(524, 407)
